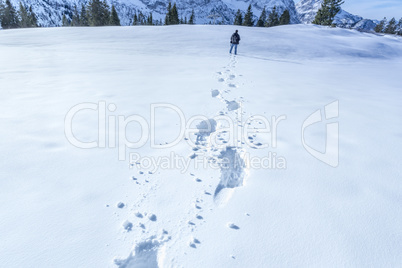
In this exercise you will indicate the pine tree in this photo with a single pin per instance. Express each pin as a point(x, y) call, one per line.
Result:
point(75, 21)
point(105, 15)
point(399, 27)
point(248, 18)
point(168, 14)
point(2, 10)
point(263, 18)
point(65, 21)
point(239, 18)
point(150, 20)
point(141, 18)
point(192, 18)
point(379, 28)
point(9, 17)
point(24, 21)
point(273, 18)
point(114, 17)
point(98, 13)
point(391, 27)
point(135, 19)
point(33, 21)
point(185, 20)
point(327, 12)
point(175, 15)
point(285, 18)
point(84, 16)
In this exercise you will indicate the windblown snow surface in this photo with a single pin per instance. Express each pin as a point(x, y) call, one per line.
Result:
point(190, 192)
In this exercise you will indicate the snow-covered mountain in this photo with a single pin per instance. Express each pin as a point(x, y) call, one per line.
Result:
point(365, 25)
point(50, 12)
point(307, 10)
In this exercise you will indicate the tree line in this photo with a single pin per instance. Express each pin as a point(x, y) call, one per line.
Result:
point(172, 16)
point(389, 27)
point(95, 13)
point(265, 20)
point(11, 18)
point(98, 13)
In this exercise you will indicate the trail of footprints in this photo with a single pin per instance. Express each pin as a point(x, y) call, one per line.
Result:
point(232, 176)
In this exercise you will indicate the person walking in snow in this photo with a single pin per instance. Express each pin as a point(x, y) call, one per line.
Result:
point(234, 41)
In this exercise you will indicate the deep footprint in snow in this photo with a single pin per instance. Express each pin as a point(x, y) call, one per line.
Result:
point(232, 170)
point(205, 128)
point(144, 254)
point(232, 105)
point(152, 217)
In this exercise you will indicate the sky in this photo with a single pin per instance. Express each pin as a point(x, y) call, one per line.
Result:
point(374, 9)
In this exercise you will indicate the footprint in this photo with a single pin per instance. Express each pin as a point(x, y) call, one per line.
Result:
point(144, 254)
point(138, 214)
point(232, 105)
point(232, 171)
point(233, 226)
point(221, 80)
point(128, 226)
point(152, 217)
point(232, 76)
point(214, 93)
point(193, 242)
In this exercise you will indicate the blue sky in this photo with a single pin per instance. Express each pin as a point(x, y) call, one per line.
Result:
point(374, 9)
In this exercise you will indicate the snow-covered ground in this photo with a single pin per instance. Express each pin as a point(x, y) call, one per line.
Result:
point(66, 206)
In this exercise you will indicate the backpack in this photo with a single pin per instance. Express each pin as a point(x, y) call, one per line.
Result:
point(234, 39)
